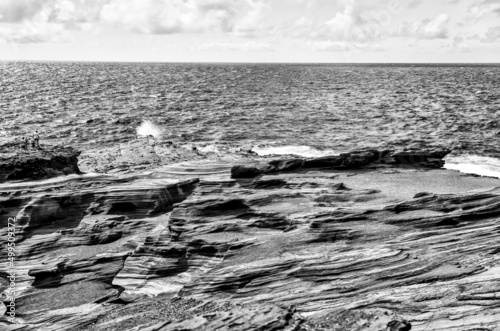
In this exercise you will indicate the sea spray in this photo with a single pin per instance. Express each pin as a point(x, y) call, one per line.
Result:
point(149, 128)
point(474, 164)
point(304, 151)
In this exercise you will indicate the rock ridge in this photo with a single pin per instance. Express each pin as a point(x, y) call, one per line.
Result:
point(47, 162)
point(431, 158)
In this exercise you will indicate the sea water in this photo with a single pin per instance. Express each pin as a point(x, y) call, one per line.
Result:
point(308, 110)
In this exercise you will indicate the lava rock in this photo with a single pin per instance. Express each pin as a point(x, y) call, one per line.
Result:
point(399, 325)
point(245, 172)
point(18, 164)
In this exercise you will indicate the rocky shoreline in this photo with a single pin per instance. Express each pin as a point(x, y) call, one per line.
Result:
point(47, 162)
point(171, 238)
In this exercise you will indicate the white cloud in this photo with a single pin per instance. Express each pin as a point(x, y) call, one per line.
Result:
point(35, 26)
point(415, 3)
point(353, 25)
point(457, 44)
point(69, 12)
point(174, 16)
point(436, 28)
point(492, 35)
point(14, 11)
point(342, 46)
point(35, 31)
point(481, 9)
point(77, 14)
point(328, 46)
point(246, 46)
point(42, 21)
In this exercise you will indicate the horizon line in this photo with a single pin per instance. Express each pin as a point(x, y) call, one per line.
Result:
point(248, 62)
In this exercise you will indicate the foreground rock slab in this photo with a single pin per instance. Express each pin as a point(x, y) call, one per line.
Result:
point(383, 248)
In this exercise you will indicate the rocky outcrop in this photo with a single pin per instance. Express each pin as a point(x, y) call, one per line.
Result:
point(21, 164)
point(316, 249)
point(353, 160)
point(148, 153)
point(63, 207)
point(250, 318)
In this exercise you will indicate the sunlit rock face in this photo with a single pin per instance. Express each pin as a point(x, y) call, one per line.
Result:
point(304, 247)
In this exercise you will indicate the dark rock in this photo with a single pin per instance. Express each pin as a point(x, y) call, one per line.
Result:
point(286, 165)
point(421, 195)
point(245, 172)
point(16, 164)
point(356, 160)
point(423, 158)
point(268, 183)
point(353, 160)
point(44, 271)
point(324, 162)
point(399, 325)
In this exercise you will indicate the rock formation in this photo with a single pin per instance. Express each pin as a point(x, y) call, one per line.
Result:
point(351, 242)
point(18, 164)
point(354, 160)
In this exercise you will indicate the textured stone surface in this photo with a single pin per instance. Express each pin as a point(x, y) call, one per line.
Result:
point(432, 158)
point(250, 318)
point(303, 249)
point(49, 161)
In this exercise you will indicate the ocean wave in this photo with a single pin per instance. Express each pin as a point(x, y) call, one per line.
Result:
point(148, 128)
point(474, 164)
point(304, 151)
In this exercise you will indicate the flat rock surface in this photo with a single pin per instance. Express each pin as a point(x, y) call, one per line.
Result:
point(186, 247)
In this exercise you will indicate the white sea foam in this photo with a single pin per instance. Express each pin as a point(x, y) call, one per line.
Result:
point(149, 128)
point(208, 149)
point(474, 164)
point(304, 151)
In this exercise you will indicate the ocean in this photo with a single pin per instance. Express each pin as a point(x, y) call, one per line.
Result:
point(309, 110)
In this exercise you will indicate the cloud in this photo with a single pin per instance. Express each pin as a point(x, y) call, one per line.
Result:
point(32, 22)
point(492, 35)
point(75, 14)
point(46, 21)
point(342, 46)
point(247, 46)
point(436, 28)
point(35, 31)
point(352, 24)
point(415, 3)
point(15, 11)
point(457, 44)
point(176, 16)
point(69, 12)
point(328, 46)
point(481, 9)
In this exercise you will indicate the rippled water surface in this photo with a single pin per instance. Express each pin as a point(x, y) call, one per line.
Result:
point(330, 107)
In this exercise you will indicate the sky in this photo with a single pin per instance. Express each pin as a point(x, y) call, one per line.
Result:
point(332, 31)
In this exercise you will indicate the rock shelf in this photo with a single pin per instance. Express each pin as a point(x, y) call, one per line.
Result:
point(340, 243)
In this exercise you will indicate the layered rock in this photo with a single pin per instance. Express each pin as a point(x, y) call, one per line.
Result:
point(51, 209)
point(46, 162)
point(353, 160)
point(249, 318)
point(316, 248)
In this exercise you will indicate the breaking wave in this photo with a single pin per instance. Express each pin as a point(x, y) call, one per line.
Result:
point(149, 128)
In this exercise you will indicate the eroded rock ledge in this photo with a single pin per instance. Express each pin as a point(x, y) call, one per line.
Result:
point(376, 249)
point(354, 160)
point(50, 161)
